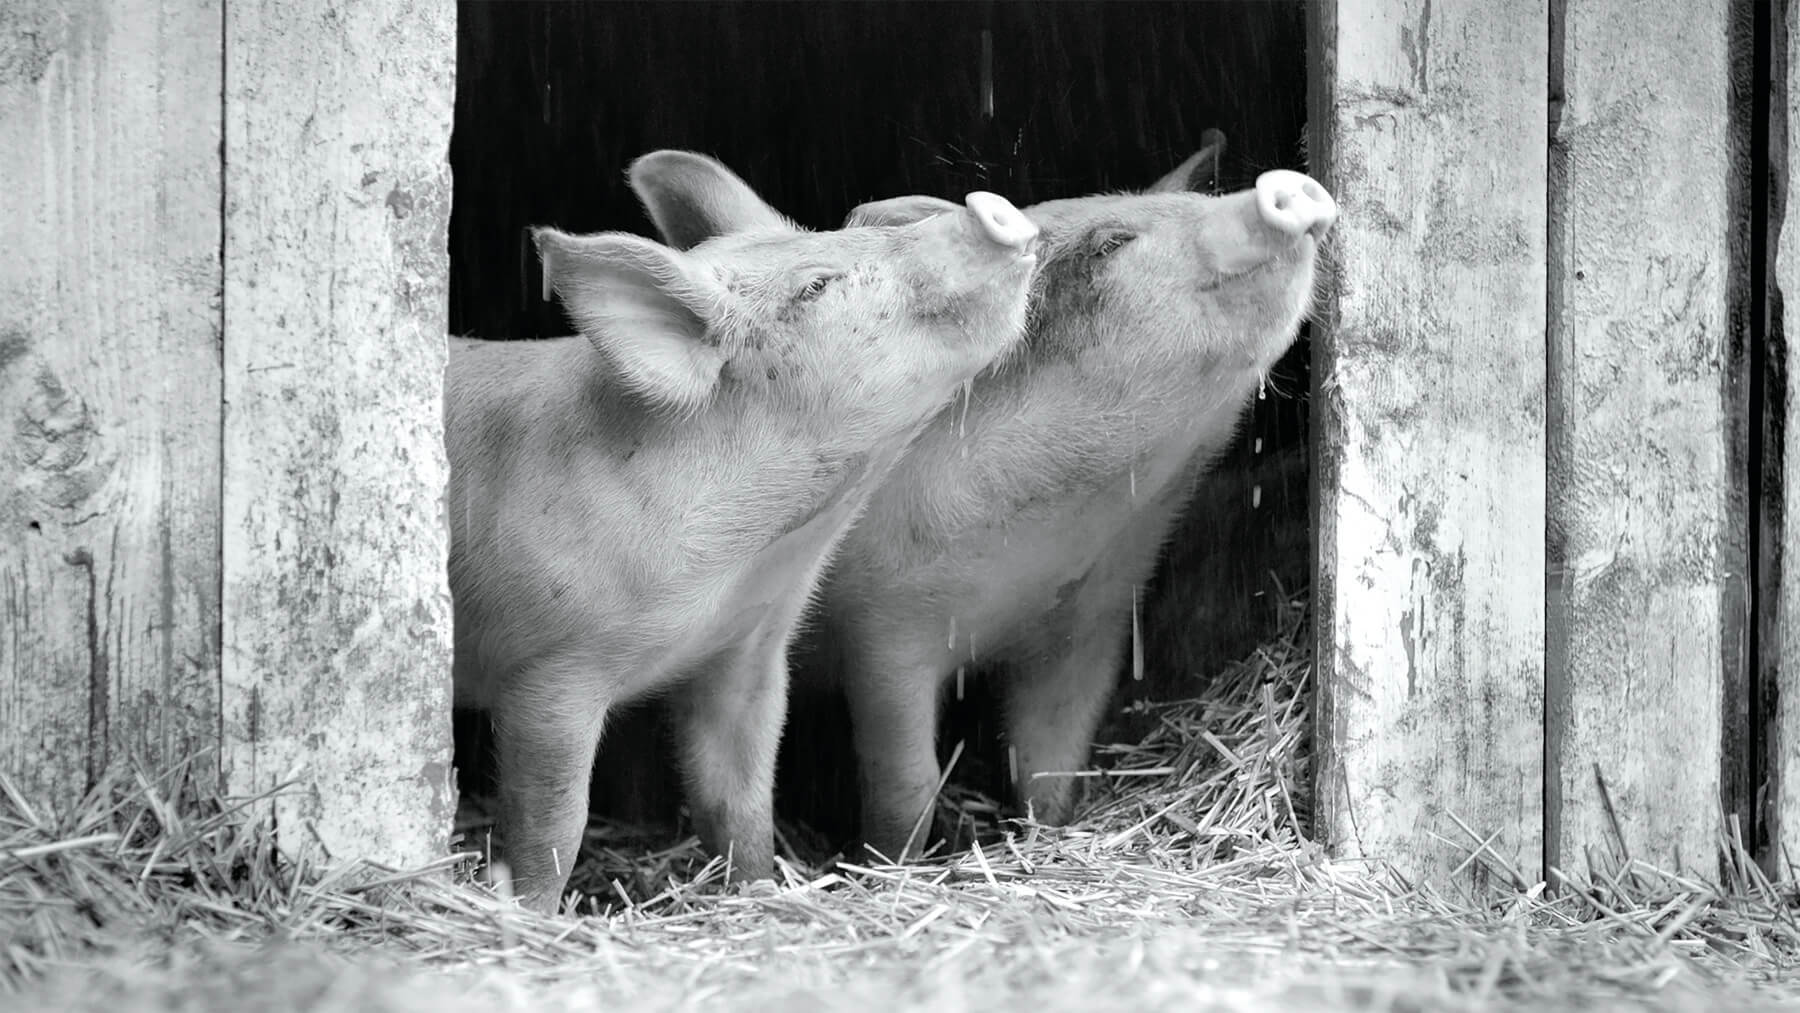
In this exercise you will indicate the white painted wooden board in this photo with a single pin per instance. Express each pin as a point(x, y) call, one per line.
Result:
point(336, 608)
point(1640, 504)
point(1783, 751)
point(1429, 126)
point(109, 387)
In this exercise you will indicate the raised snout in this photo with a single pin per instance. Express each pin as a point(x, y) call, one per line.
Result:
point(985, 243)
point(1000, 222)
point(1273, 219)
point(1294, 203)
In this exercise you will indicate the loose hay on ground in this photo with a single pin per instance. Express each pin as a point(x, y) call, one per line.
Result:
point(1188, 883)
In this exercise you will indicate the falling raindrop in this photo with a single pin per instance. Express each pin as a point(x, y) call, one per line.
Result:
point(951, 645)
point(1137, 641)
point(987, 73)
point(1255, 496)
point(959, 682)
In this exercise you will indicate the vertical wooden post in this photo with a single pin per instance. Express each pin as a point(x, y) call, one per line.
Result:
point(1648, 570)
point(1428, 125)
point(1783, 718)
point(336, 610)
point(109, 386)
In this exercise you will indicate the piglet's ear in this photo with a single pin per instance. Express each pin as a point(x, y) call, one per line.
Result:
point(1200, 173)
point(644, 306)
point(898, 211)
point(693, 198)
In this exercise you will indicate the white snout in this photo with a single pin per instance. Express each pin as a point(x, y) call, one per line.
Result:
point(1294, 203)
point(1002, 222)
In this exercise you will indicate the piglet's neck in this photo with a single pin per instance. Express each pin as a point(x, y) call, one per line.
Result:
point(740, 473)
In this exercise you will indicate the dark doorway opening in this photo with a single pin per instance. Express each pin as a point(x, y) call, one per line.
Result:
point(822, 106)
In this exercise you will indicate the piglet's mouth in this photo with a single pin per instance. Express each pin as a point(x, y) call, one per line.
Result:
point(1295, 256)
point(1026, 261)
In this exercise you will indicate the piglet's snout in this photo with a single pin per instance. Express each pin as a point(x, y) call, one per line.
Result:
point(1293, 203)
point(1000, 221)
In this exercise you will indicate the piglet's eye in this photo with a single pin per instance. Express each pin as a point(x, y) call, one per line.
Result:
point(815, 287)
point(1111, 241)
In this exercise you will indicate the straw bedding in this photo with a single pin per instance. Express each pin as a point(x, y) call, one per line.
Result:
point(1187, 884)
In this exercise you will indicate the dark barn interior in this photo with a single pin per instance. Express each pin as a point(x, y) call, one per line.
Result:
point(822, 106)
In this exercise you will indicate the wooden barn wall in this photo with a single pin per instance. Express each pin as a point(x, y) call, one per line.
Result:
point(336, 617)
point(109, 382)
point(1649, 573)
point(222, 308)
point(1779, 713)
point(1609, 440)
point(225, 281)
point(822, 106)
point(1429, 407)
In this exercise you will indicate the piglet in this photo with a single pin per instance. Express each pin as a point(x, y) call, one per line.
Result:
point(645, 507)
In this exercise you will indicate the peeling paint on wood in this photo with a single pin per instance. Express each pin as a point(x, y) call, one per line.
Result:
point(109, 386)
point(1429, 397)
point(1646, 547)
point(336, 610)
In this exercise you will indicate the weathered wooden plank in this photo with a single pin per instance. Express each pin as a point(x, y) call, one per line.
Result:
point(1647, 532)
point(336, 609)
point(1428, 125)
point(1782, 717)
point(109, 386)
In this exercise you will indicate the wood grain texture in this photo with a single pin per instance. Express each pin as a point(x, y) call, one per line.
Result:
point(109, 386)
point(336, 609)
point(1783, 717)
point(1646, 544)
point(1429, 124)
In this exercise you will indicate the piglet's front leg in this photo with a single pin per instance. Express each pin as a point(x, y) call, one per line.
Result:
point(546, 731)
point(728, 718)
point(893, 698)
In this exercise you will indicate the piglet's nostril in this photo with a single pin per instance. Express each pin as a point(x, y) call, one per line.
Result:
point(999, 220)
point(1294, 203)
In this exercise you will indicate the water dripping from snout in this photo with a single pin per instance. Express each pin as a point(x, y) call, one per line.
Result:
point(1136, 448)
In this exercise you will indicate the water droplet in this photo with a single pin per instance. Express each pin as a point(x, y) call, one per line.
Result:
point(1137, 641)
